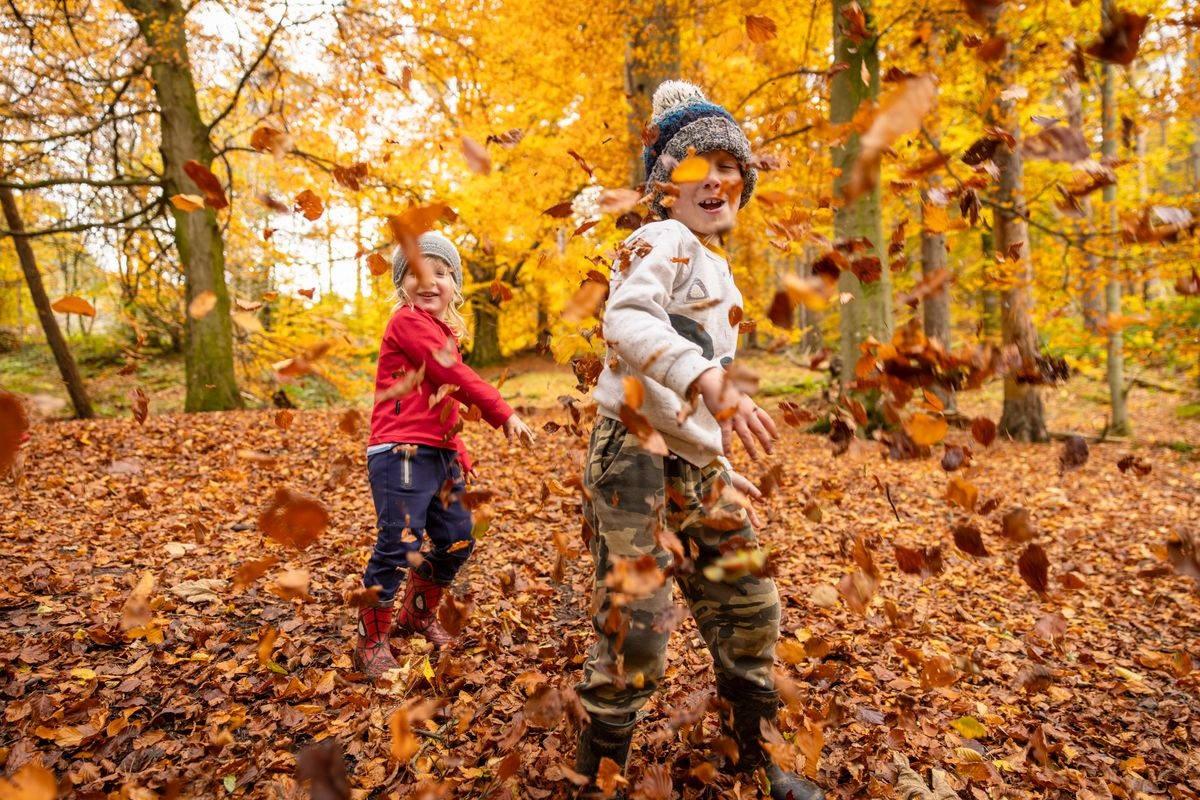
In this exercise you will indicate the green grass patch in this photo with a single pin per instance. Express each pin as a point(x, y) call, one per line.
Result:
point(1188, 411)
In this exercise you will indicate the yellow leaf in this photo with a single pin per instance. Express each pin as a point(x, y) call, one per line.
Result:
point(936, 219)
point(813, 293)
point(690, 170)
point(247, 322)
point(427, 669)
point(187, 202)
point(926, 430)
point(1127, 674)
point(72, 304)
point(202, 304)
point(83, 673)
point(969, 728)
point(967, 755)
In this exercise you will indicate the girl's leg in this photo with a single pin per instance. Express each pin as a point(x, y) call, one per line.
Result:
point(448, 522)
point(401, 496)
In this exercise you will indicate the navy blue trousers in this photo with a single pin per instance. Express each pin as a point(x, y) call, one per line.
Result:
point(417, 491)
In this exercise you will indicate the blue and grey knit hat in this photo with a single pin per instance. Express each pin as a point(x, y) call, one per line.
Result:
point(431, 244)
point(685, 118)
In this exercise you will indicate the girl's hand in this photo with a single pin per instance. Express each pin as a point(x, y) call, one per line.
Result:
point(743, 485)
point(515, 426)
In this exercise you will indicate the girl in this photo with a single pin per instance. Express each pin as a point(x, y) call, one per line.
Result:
point(416, 460)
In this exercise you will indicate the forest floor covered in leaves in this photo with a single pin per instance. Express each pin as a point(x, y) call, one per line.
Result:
point(210, 676)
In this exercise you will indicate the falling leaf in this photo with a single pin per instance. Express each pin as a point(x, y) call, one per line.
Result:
point(691, 170)
point(292, 584)
point(1016, 526)
point(1074, 454)
point(1140, 467)
point(310, 205)
point(202, 304)
point(31, 781)
point(926, 430)
point(968, 539)
point(251, 571)
point(937, 672)
point(139, 404)
point(618, 201)
point(293, 519)
point(284, 418)
point(760, 29)
point(187, 202)
point(478, 160)
point(266, 139)
point(378, 265)
point(1057, 144)
point(899, 112)
point(209, 185)
point(961, 492)
point(1034, 568)
point(983, 430)
point(352, 176)
point(559, 210)
point(324, 766)
point(72, 304)
point(510, 138)
point(1118, 42)
point(581, 162)
point(136, 611)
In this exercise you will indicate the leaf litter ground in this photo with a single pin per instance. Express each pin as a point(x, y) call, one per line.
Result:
point(139, 662)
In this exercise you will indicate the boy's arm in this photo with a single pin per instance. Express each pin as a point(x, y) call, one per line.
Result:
point(636, 324)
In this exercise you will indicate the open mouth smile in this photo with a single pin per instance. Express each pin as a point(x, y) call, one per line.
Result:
point(712, 204)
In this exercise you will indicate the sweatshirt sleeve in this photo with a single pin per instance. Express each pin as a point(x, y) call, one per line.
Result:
point(425, 342)
point(636, 323)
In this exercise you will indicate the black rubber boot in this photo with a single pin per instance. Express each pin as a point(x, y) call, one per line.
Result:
point(752, 704)
point(601, 739)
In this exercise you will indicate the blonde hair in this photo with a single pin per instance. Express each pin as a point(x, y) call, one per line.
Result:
point(452, 316)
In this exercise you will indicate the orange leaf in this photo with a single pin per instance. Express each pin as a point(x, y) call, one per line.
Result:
point(760, 29)
point(961, 492)
point(293, 519)
point(378, 265)
point(72, 304)
point(14, 421)
point(926, 430)
point(31, 782)
point(266, 139)
point(635, 392)
point(202, 304)
point(187, 202)
point(478, 160)
point(310, 205)
point(690, 170)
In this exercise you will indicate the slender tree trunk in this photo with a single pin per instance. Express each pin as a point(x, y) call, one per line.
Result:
point(1090, 278)
point(651, 57)
point(1119, 424)
point(208, 343)
point(1023, 417)
point(870, 312)
point(989, 301)
point(54, 337)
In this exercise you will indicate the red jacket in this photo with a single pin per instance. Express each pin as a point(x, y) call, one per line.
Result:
point(415, 337)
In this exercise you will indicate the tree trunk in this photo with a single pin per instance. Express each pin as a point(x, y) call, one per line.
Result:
point(485, 345)
point(651, 57)
point(1023, 417)
point(54, 337)
point(1119, 424)
point(1092, 273)
point(870, 312)
point(208, 341)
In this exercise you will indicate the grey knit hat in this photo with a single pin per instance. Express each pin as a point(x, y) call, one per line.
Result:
point(685, 118)
point(431, 244)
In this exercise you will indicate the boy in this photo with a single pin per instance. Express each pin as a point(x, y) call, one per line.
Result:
point(671, 322)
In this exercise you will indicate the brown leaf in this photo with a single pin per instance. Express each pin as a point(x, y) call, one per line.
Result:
point(323, 765)
point(478, 160)
point(983, 430)
point(1034, 568)
point(650, 439)
point(617, 201)
point(760, 29)
point(969, 539)
point(581, 162)
point(209, 185)
point(72, 304)
point(900, 111)
point(136, 611)
point(926, 430)
point(1119, 38)
point(510, 138)
point(251, 571)
point(309, 204)
point(453, 613)
point(284, 418)
point(938, 671)
point(609, 776)
point(1016, 526)
point(1074, 454)
point(1057, 144)
point(352, 176)
point(292, 519)
point(560, 210)
point(655, 784)
point(961, 492)
point(139, 403)
point(1140, 467)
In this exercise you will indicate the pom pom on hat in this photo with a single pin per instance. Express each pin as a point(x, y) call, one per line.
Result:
point(687, 120)
point(431, 244)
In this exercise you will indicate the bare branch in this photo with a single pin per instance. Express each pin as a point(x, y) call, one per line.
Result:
point(245, 79)
point(106, 184)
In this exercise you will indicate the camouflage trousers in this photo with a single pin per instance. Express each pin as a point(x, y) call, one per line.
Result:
point(654, 522)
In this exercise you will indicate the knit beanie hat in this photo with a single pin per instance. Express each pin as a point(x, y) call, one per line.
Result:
point(685, 118)
point(431, 244)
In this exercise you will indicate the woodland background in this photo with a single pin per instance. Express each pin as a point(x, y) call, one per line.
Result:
point(974, 227)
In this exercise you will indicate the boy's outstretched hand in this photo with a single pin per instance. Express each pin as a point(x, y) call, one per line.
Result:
point(736, 413)
point(515, 426)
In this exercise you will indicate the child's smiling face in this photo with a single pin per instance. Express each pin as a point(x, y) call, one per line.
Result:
point(711, 205)
point(434, 294)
